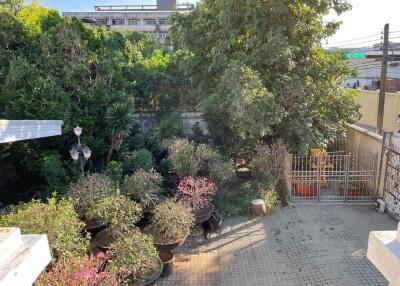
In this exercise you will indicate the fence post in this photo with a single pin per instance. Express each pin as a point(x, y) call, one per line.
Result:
point(347, 159)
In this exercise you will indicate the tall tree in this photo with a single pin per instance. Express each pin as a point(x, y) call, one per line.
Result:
point(279, 43)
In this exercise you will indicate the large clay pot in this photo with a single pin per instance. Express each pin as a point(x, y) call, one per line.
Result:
point(154, 278)
point(171, 245)
point(203, 214)
point(303, 189)
point(105, 238)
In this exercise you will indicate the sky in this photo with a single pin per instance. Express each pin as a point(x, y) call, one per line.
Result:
point(366, 18)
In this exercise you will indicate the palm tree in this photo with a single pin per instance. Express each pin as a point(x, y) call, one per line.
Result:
point(120, 120)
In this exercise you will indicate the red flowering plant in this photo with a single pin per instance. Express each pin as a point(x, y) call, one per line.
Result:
point(196, 192)
point(79, 271)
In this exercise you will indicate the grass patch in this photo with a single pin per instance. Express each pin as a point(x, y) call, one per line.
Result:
point(235, 199)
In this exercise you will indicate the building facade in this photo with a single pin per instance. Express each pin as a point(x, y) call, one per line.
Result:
point(151, 19)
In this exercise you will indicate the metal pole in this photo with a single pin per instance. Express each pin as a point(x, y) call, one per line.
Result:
point(381, 102)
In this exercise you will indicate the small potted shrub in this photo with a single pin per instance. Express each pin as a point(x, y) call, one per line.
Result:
point(57, 219)
point(188, 158)
point(170, 225)
point(134, 260)
point(119, 213)
point(197, 193)
point(144, 187)
point(221, 171)
point(79, 271)
point(86, 193)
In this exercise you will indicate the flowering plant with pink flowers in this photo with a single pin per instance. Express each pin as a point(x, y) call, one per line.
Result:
point(80, 271)
point(196, 192)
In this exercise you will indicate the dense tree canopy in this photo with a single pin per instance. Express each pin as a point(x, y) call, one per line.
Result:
point(261, 72)
point(52, 68)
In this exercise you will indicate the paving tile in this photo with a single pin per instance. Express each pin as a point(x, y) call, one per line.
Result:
point(300, 245)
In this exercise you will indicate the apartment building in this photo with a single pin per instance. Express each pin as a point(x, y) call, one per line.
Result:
point(152, 19)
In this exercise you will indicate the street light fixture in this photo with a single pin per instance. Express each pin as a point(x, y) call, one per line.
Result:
point(80, 152)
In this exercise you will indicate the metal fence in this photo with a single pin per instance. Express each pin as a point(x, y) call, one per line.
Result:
point(336, 178)
point(391, 191)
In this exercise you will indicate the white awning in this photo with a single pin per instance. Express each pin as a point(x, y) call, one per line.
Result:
point(16, 130)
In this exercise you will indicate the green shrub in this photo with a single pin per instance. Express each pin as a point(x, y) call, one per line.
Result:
point(114, 171)
point(221, 171)
point(139, 159)
point(170, 126)
point(56, 219)
point(187, 158)
point(118, 212)
point(171, 220)
point(88, 190)
point(142, 185)
point(271, 200)
point(165, 166)
point(134, 258)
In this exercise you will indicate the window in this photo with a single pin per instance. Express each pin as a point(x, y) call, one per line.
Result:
point(150, 22)
point(163, 35)
point(133, 22)
point(103, 21)
point(119, 22)
point(163, 22)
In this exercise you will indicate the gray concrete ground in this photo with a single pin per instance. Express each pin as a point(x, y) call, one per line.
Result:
point(300, 245)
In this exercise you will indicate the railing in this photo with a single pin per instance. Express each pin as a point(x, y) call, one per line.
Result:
point(138, 7)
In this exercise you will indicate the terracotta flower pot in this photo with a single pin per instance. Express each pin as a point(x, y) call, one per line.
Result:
point(305, 189)
point(167, 258)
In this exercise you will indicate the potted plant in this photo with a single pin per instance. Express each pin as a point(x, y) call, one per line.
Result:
point(170, 225)
point(188, 158)
point(353, 189)
point(119, 213)
point(86, 192)
point(144, 187)
point(197, 193)
point(243, 172)
point(78, 271)
point(134, 260)
point(56, 218)
point(305, 187)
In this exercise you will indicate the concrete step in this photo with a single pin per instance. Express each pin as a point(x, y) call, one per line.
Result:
point(10, 241)
point(27, 262)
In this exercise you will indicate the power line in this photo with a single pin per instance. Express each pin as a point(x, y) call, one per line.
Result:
point(361, 38)
point(359, 43)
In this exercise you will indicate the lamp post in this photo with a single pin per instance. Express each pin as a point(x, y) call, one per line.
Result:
point(80, 152)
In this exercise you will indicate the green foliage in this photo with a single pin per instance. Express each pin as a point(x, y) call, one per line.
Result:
point(134, 259)
point(165, 166)
point(261, 72)
point(235, 199)
point(142, 185)
point(187, 158)
point(170, 126)
point(57, 219)
point(139, 160)
point(55, 68)
point(53, 172)
point(118, 212)
point(87, 191)
point(271, 200)
point(114, 171)
point(222, 171)
point(171, 220)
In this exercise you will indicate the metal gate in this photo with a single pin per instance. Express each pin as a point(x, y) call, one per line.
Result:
point(334, 178)
point(391, 189)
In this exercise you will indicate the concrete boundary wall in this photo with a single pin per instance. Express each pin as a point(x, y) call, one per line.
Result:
point(149, 120)
point(361, 139)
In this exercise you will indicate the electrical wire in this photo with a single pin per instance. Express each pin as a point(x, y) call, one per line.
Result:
point(362, 38)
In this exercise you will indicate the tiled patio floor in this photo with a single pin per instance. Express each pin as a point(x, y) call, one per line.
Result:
point(300, 245)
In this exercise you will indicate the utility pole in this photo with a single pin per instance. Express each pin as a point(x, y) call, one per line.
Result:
point(381, 101)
